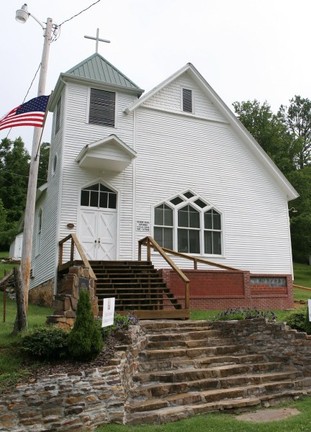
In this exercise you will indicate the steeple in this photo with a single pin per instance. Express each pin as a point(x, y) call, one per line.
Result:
point(97, 68)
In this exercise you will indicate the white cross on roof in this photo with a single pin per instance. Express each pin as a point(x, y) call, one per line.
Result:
point(97, 39)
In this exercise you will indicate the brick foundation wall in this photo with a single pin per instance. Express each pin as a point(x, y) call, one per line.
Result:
point(219, 290)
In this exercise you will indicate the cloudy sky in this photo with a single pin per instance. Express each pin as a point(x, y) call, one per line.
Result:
point(245, 49)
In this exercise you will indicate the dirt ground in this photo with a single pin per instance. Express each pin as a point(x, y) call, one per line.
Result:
point(268, 415)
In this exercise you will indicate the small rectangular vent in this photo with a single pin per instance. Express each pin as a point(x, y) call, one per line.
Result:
point(187, 100)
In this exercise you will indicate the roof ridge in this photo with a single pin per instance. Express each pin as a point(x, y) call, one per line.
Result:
point(118, 75)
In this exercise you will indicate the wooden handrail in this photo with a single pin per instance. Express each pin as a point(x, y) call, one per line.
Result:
point(201, 260)
point(302, 287)
point(74, 243)
point(151, 243)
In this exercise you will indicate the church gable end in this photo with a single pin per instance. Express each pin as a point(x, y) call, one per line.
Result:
point(184, 96)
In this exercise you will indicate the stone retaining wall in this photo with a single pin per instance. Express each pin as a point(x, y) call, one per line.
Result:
point(83, 400)
point(275, 340)
point(72, 402)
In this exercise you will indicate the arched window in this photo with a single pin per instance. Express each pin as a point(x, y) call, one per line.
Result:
point(188, 230)
point(189, 224)
point(212, 232)
point(163, 225)
point(98, 196)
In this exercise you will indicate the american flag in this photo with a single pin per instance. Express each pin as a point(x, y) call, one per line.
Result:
point(31, 113)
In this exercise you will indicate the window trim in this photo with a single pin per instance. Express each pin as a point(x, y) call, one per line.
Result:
point(184, 101)
point(202, 230)
point(90, 106)
point(99, 184)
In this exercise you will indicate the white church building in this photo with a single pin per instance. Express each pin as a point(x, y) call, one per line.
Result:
point(174, 164)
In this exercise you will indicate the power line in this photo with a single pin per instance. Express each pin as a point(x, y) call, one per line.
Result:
point(79, 13)
point(32, 81)
point(56, 34)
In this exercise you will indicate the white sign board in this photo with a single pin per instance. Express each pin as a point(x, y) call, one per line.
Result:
point(309, 309)
point(142, 226)
point(108, 311)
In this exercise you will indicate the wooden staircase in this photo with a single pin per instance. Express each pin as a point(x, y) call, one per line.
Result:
point(137, 287)
point(188, 367)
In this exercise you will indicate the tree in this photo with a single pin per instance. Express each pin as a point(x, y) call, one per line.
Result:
point(297, 120)
point(85, 340)
point(14, 166)
point(300, 215)
point(3, 215)
point(268, 130)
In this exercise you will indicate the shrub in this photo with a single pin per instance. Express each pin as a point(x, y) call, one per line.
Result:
point(299, 320)
point(120, 325)
point(48, 343)
point(85, 340)
point(243, 314)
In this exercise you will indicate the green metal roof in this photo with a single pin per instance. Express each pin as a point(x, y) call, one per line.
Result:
point(96, 68)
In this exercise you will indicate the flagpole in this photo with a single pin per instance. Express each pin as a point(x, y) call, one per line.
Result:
point(33, 170)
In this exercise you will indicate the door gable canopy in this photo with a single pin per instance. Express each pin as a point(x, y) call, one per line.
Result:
point(108, 154)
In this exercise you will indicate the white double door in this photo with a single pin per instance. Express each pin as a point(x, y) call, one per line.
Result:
point(97, 232)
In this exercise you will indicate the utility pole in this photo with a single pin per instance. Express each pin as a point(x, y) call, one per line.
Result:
point(21, 16)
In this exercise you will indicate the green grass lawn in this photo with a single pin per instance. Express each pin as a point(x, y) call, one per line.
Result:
point(226, 423)
point(302, 275)
point(11, 361)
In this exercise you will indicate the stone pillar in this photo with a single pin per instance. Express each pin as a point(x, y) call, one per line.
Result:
point(66, 299)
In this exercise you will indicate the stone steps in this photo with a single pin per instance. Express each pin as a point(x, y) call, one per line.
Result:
point(156, 390)
point(219, 372)
point(212, 395)
point(191, 352)
point(180, 363)
point(159, 414)
point(188, 368)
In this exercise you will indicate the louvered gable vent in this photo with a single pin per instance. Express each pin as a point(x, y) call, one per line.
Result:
point(102, 107)
point(187, 100)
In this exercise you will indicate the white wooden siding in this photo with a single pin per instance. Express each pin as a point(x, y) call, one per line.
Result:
point(44, 264)
point(176, 151)
point(177, 154)
point(170, 99)
point(75, 178)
